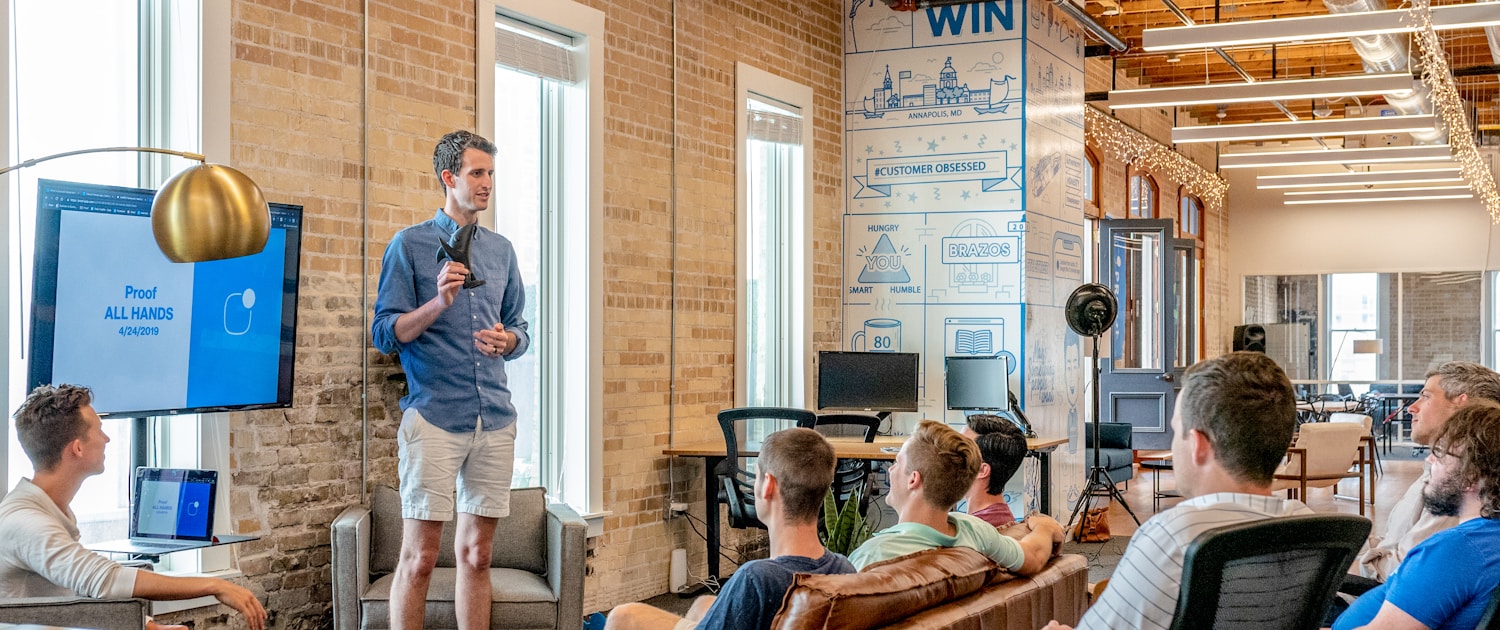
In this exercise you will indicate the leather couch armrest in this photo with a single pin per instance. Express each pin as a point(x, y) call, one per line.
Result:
point(351, 565)
point(80, 612)
point(566, 563)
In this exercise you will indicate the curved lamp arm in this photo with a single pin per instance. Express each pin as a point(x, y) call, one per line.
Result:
point(206, 212)
point(36, 161)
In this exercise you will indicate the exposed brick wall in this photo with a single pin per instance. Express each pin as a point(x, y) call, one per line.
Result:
point(296, 110)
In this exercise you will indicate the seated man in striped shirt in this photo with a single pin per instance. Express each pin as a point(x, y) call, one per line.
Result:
point(1233, 421)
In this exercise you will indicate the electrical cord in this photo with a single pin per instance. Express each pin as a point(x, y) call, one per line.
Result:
point(691, 519)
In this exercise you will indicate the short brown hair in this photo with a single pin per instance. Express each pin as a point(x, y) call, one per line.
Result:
point(448, 155)
point(50, 419)
point(1472, 436)
point(802, 462)
point(947, 460)
point(1457, 378)
point(1244, 404)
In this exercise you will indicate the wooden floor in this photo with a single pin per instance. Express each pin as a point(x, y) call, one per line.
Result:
point(1396, 476)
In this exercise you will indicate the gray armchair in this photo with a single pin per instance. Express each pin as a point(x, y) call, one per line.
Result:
point(536, 568)
point(75, 612)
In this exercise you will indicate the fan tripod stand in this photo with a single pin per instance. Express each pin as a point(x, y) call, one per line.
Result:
point(1090, 311)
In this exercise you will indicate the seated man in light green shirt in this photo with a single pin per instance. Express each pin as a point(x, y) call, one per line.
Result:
point(932, 472)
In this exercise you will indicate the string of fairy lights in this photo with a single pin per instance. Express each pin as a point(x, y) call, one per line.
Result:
point(1117, 140)
point(1449, 107)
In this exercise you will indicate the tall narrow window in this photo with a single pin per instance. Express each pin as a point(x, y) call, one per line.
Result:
point(1190, 217)
point(1091, 184)
point(1353, 315)
point(773, 203)
point(129, 77)
point(773, 189)
point(540, 104)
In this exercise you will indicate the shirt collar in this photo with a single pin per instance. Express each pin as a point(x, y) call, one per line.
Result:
point(444, 221)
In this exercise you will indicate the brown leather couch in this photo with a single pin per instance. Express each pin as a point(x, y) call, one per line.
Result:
point(938, 588)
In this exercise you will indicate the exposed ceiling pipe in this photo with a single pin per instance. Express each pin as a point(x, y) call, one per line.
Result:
point(1223, 54)
point(1388, 53)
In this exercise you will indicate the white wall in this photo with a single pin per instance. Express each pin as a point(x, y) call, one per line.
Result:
point(1266, 237)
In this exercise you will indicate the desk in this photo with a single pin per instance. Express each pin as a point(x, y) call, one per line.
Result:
point(843, 448)
point(1386, 401)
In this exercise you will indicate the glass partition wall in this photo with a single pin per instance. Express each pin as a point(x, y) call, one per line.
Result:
point(1373, 326)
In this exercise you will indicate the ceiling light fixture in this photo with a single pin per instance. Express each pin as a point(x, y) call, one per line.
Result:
point(1374, 155)
point(1317, 180)
point(1347, 197)
point(1173, 58)
point(1325, 87)
point(1334, 26)
point(1304, 129)
point(1377, 192)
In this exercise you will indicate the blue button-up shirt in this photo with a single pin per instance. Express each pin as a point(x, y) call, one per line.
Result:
point(450, 382)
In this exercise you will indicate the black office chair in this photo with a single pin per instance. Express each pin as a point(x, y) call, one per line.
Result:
point(737, 482)
point(851, 473)
point(1267, 574)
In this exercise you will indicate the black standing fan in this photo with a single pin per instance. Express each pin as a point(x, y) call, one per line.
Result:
point(1091, 311)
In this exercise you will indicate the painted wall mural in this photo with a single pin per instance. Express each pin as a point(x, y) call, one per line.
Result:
point(963, 219)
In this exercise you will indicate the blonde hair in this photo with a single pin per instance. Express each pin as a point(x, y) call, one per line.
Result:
point(947, 460)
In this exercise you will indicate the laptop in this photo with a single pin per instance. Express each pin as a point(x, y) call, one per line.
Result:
point(171, 509)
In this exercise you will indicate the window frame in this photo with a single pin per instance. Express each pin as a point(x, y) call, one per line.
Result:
point(748, 80)
point(208, 449)
point(1196, 211)
point(1093, 204)
point(576, 392)
point(1147, 180)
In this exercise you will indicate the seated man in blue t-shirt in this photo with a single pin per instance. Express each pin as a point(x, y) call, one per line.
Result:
point(1445, 581)
point(793, 473)
point(932, 472)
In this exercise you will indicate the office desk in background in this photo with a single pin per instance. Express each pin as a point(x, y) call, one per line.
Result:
point(712, 453)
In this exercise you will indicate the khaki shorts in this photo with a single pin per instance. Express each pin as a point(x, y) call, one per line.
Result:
point(434, 463)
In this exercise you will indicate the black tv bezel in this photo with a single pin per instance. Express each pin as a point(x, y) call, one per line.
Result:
point(1005, 367)
point(916, 382)
point(44, 301)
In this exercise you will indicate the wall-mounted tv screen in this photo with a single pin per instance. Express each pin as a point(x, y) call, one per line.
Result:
point(976, 383)
point(867, 381)
point(150, 336)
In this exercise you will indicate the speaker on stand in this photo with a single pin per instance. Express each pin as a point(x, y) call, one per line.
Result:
point(1251, 337)
point(1090, 312)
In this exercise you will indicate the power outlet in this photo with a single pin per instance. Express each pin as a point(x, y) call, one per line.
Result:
point(677, 508)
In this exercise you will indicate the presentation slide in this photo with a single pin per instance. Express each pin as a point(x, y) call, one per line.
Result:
point(158, 508)
point(150, 334)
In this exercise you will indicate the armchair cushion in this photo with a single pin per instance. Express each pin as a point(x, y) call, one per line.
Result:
point(529, 601)
point(77, 612)
point(524, 533)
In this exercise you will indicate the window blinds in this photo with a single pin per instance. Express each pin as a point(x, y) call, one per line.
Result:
point(534, 50)
point(770, 122)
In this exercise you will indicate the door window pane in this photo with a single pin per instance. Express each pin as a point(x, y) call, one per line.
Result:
point(1136, 278)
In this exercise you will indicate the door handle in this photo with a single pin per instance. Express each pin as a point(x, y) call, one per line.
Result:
point(1166, 377)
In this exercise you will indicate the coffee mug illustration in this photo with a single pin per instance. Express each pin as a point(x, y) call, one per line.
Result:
point(881, 334)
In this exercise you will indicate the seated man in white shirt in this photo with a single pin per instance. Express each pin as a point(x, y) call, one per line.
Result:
point(932, 472)
point(40, 555)
point(1449, 388)
point(1234, 419)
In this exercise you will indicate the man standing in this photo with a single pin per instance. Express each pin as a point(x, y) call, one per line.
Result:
point(1002, 449)
point(40, 555)
point(792, 475)
point(1233, 421)
point(1448, 388)
point(933, 470)
point(458, 426)
point(1445, 581)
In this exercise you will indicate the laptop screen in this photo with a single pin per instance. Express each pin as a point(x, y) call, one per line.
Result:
point(173, 503)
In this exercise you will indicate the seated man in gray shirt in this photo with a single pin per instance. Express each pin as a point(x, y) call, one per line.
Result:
point(793, 474)
point(40, 555)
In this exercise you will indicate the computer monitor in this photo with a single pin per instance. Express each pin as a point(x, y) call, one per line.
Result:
point(867, 381)
point(977, 383)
